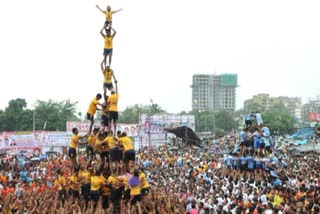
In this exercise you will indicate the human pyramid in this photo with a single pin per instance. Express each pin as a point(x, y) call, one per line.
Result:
point(108, 171)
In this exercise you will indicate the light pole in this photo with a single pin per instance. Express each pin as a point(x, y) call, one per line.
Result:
point(150, 112)
point(197, 108)
point(34, 120)
point(139, 113)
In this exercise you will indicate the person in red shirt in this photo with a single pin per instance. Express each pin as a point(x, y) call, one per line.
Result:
point(10, 190)
point(3, 178)
point(41, 187)
point(213, 164)
point(4, 192)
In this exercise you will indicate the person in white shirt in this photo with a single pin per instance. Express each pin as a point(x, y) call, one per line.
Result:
point(259, 118)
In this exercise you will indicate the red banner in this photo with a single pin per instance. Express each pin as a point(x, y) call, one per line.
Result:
point(313, 116)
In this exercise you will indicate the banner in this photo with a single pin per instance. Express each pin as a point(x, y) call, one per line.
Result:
point(34, 139)
point(17, 139)
point(313, 116)
point(132, 130)
point(158, 123)
point(83, 127)
point(150, 131)
point(55, 139)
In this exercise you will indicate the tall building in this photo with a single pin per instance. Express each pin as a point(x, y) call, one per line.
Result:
point(212, 92)
point(265, 101)
point(293, 104)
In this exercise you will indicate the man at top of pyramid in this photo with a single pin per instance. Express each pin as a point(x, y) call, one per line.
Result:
point(108, 12)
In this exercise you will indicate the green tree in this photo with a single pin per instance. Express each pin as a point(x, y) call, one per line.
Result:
point(26, 120)
point(278, 118)
point(53, 115)
point(241, 113)
point(205, 121)
point(131, 114)
point(154, 109)
point(2, 120)
point(14, 115)
point(183, 113)
point(253, 107)
point(225, 121)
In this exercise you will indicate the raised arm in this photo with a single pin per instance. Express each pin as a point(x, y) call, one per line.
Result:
point(116, 83)
point(102, 33)
point(83, 137)
point(114, 77)
point(99, 8)
point(100, 130)
point(114, 32)
point(115, 11)
point(105, 97)
point(102, 105)
point(102, 66)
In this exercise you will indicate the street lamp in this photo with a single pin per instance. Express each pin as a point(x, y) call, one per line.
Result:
point(34, 120)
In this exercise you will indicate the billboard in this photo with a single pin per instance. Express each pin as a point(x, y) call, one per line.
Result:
point(83, 127)
point(313, 116)
point(150, 130)
point(158, 123)
point(33, 139)
point(154, 126)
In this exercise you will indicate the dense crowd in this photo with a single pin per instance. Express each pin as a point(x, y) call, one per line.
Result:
point(162, 180)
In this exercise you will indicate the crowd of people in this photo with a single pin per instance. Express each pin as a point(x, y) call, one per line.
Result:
point(111, 177)
point(162, 181)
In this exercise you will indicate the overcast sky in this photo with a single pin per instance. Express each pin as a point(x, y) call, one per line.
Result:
point(53, 49)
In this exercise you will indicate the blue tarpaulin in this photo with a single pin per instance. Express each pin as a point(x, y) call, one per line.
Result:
point(303, 133)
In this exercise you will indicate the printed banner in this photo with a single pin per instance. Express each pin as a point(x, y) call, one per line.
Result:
point(313, 116)
point(34, 139)
point(132, 130)
point(150, 130)
point(158, 123)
